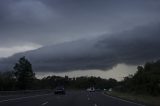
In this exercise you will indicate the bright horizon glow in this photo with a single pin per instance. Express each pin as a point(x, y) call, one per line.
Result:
point(9, 51)
point(118, 72)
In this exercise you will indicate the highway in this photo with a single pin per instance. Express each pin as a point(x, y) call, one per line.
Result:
point(72, 98)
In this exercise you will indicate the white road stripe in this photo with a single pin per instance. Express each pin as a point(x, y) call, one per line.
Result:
point(23, 98)
point(123, 100)
point(44, 103)
point(95, 104)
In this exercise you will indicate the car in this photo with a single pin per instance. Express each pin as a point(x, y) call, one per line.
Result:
point(59, 90)
point(91, 89)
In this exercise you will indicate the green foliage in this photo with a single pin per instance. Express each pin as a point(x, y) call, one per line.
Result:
point(7, 81)
point(145, 81)
point(24, 73)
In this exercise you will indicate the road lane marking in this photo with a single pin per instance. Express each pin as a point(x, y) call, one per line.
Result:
point(23, 98)
point(122, 100)
point(44, 103)
point(95, 104)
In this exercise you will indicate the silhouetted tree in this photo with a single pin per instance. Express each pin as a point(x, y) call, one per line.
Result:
point(7, 81)
point(24, 73)
point(145, 81)
point(140, 68)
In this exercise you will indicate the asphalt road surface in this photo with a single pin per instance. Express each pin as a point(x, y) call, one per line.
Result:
point(72, 98)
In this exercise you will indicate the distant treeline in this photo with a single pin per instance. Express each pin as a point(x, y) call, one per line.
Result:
point(145, 81)
point(23, 78)
point(8, 82)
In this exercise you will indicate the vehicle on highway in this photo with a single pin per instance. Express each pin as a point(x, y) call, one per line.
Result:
point(60, 90)
point(91, 89)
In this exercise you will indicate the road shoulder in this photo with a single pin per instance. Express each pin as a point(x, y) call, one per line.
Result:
point(138, 99)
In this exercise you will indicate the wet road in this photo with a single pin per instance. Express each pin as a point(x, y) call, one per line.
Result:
point(72, 98)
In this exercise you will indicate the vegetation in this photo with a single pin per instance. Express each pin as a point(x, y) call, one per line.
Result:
point(77, 83)
point(24, 74)
point(7, 81)
point(23, 78)
point(138, 98)
point(145, 81)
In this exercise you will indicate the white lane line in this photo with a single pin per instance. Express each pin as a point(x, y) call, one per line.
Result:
point(95, 104)
point(123, 100)
point(23, 98)
point(44, 103)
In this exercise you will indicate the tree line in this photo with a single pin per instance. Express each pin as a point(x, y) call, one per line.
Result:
point(23, 78)
point(145, 81)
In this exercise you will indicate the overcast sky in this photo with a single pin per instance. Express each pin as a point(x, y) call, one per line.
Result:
point(79, 34)
point(45, 22)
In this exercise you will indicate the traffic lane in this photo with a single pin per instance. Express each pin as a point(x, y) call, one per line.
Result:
point(35, 100)
point(83, 100)
point(72, 98)
point(63, 100)
point(5, 97)
point(100, 99)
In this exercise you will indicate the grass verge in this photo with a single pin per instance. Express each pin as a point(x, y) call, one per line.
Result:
point(144, 99)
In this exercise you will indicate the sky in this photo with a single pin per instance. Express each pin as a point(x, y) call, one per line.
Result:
point(118, 72)
point(69, 35)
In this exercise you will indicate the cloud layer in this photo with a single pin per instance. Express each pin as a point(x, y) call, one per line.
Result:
point(79, 34)
point(132, 47)
point(47, 22)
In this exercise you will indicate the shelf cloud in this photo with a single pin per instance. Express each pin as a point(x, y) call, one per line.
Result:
point(79, 34)
point(132, 47)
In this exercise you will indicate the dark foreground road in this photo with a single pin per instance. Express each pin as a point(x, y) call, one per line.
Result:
point(72, 98)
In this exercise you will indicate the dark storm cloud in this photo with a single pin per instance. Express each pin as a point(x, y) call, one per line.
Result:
point(66, 20)
point(112, 32)
point(132, 47)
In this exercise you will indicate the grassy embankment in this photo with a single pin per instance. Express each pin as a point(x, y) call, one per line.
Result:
point(144, 99)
